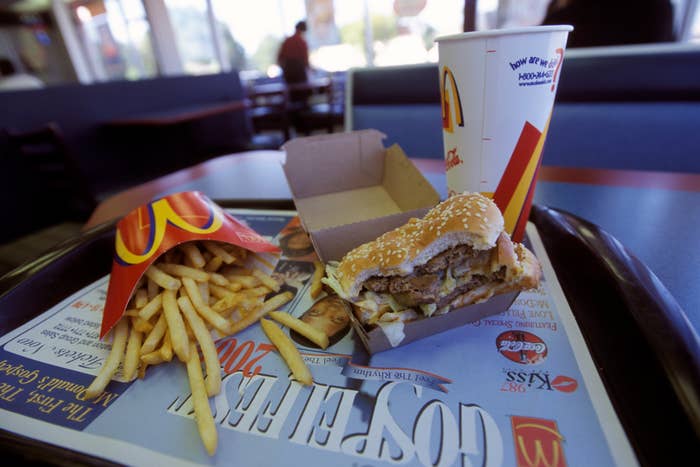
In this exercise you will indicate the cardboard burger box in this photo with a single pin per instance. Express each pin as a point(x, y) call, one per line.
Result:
point(349, 189)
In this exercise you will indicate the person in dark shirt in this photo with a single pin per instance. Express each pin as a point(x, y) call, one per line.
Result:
point(293, 56)
point(613, 22)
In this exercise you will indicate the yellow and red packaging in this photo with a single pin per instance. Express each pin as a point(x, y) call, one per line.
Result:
point(154, 228)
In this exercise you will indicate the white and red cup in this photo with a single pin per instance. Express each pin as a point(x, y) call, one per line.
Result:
point(497, 90)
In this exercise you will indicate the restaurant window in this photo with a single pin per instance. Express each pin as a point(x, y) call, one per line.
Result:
point(694, 35)
point(251, 37)
point(32, 42)
point(394, 32)
point(499, 14)
point(341, 33)
point(194, 36)
point(117, 38)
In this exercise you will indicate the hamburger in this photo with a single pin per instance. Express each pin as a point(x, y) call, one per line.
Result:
point(457, 255)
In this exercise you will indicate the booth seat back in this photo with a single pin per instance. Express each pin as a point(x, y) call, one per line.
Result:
point(81, 111)
point(629, 107)
point(403, 102)
point(112, 159)
point(632, 107)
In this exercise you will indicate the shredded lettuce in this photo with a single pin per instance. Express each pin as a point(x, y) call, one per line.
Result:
point(428, 309)
point(332, 281)
point(391, 301)
point(369, 295)
point(393, 332)
point(442, 310)
point(368, 304)
point(449, 284)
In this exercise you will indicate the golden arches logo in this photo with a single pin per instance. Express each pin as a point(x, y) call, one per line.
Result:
point(540, 459)
point(449, 107)
point(161, 214)
point(537, 442)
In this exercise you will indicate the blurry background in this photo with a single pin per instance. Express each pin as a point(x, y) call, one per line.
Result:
point(86, 41)
point(87, 66)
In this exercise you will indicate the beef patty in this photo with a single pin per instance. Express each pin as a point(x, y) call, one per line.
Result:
point(423, 286)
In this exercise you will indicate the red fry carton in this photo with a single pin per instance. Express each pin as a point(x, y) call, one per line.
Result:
point(152, 229)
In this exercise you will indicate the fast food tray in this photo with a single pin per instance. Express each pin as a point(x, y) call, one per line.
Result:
point(643, 347)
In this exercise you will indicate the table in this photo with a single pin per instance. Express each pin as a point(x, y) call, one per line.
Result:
point(179, 136)
point(178, 115)
point(655, 215)
point(277, 105)
point(317, 85)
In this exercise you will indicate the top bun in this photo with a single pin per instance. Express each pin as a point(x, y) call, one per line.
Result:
point(466, 219)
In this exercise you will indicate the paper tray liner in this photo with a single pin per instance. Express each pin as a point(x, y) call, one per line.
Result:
point(154, 228)
point(376, 341)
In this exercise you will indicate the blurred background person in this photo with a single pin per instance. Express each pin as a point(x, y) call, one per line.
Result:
point(613, 22)
point(293, 55)
point(293, 58)
point(11, 79)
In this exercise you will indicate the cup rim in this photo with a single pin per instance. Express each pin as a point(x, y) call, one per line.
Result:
point(505, 32)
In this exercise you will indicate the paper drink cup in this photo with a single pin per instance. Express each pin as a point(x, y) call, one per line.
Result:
point(497, 89)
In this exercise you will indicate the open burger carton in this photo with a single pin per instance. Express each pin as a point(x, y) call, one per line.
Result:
point(348, 190)
point(152, 229)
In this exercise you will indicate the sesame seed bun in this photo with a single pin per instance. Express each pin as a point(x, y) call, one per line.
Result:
point(466, 219)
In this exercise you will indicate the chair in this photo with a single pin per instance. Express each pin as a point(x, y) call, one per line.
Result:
point(403, 102)
point(634, 107)
point(328, 112)
point(627, 107)
point(49, 175)
point(268, 109)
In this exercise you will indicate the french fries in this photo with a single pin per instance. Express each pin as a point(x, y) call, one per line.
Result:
point(131, 358)
point(166, 350)
point(220, 252)
point(192, 252)
point(288, 351)
point(202, 411)
point(314, 335)
point(164, 280)
point(266, 280)
point(154, 337)
point(185, 271)
point(98, 385)
point(176, 326)
point(253, 317)
point(316, 285)
point(206, 343)
point(152, 307)
point(246, 282)
point(216, 320)
point(140, 298)
point(192, 291)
